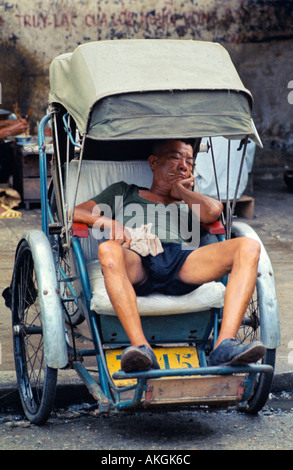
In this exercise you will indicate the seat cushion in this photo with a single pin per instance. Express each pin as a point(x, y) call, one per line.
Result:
point(97, 175)
point(205, 297)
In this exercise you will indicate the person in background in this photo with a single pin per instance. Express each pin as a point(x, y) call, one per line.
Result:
point(11, 127)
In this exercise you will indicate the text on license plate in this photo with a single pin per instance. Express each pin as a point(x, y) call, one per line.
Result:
point(168, 357)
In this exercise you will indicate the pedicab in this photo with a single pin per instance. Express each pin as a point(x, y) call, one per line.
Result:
point(108, 101)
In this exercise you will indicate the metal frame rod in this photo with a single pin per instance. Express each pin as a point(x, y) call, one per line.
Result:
point(238, 179)
point(43, 174)
point(58, 158)
point(216, 176)
point(228, 208)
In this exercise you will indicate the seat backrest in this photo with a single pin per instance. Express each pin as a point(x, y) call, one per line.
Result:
point(95, 176)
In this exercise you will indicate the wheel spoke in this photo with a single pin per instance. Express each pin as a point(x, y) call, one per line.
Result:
point(250, 328)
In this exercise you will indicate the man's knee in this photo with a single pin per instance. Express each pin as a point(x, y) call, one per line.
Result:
point(110, 254)
point(250, 249)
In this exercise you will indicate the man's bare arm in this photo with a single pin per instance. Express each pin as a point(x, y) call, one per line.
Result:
point(89, 213)
point(12, 127)
point(86, 213)
point(210, 208)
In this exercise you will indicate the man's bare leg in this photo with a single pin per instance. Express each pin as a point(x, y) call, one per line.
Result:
point(239, 257)
point(122, 268)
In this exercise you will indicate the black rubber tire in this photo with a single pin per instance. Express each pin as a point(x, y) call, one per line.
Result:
point(36, 381)
point(249, 331)
point(262, 386)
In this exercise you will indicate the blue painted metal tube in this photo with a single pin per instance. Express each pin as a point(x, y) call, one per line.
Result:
point(87, 352)
point(216, 319)
point(201, 347)
point(68, 131)
point(43, 174)
point(82, 270)
point(224, 370)
point(92, 320)
point(94, 388)
point(139, 389)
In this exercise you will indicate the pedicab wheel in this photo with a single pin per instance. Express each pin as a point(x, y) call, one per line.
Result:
point(262, 386)
point(36, 381)
point(248, 332)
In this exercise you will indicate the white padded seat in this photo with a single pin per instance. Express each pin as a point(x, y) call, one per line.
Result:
point(205, 297)
point(96, 176)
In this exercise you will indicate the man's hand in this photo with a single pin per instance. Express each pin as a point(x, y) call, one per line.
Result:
point(205, 207)
point(120, 234)
point(180, 186)
point(13, 127)
point(21, 126)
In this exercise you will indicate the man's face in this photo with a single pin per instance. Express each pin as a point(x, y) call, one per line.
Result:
point(174, 163)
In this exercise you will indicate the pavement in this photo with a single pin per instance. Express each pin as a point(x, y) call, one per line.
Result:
point(273, 221)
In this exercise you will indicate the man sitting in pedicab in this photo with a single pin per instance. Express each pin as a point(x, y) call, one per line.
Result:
point(173, 270)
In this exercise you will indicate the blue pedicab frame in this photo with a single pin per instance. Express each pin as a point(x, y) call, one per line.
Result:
point(39, 252)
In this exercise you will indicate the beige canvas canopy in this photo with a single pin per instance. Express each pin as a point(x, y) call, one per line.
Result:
point(138, 89)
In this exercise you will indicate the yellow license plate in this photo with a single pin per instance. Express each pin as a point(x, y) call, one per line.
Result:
point(169, 358)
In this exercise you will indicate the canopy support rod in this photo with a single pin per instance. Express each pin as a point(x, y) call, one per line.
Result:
point(216, 176)
point(239, 177)
point(78, 175)
point(59, 167)
point(66, 185)
point(228, 208)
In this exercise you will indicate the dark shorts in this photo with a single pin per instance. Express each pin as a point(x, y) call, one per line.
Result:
point(163, 270)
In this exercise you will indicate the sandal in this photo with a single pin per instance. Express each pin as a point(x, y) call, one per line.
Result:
point(9, 213)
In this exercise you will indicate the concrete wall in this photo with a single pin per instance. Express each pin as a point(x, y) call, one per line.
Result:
point(257, 33)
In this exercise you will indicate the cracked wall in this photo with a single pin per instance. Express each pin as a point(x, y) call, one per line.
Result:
point(257, 33)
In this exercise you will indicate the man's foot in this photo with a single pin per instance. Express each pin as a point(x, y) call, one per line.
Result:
point(138, 358)
point(232, 353)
